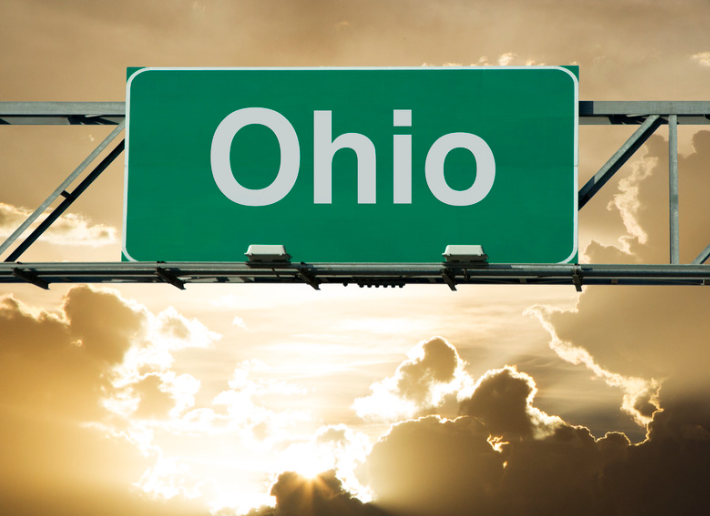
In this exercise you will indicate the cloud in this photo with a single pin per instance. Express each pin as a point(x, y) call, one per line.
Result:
point(241, 409)
point(506, 59)
point(650, 343)
point(333, 447)
point(503, 455)
point(640, 201)
point(435, 466)
point(98, 376)
point(103, 324)
point(628, 204)
point(667, 473)
point(636, 337)
point(221, 450)
point(640, 396)
point(702, 58)
point(44, 366)
point(58, 369)
point(432, 371)
point(69, 229)
point(169, 479)
point(320, 496)
point(502, 399)
point(142, 347)
point(381, 33)
point(450, 467)
point(154, 400)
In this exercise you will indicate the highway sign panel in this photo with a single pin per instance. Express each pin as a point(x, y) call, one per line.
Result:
point(351, 165)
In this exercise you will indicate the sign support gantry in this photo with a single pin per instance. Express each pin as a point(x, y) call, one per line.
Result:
point(647, 115)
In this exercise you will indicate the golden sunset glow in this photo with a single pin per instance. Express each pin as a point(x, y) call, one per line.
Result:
point(280, 400)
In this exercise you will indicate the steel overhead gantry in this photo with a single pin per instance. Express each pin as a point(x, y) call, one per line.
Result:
point(647, 115)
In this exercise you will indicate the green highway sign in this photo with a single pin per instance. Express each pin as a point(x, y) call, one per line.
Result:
point(361, 165)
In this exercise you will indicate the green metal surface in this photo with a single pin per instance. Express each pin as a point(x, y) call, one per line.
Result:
point(174, 210)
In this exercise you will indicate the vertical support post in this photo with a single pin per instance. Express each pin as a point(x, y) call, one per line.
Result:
point(673, 187)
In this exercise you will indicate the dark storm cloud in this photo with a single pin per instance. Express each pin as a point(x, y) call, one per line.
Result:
point(435, 466)
point(668, 473)
point(502, 456)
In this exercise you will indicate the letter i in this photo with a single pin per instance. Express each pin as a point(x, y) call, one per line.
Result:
point(402, 158)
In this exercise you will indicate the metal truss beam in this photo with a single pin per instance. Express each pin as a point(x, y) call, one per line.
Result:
point(363, 275)
point(61, 189)
point(634, 112)
point(649, 115)
point(62, 113)
point(69, 199)
point(702, 257)
point(643, 133)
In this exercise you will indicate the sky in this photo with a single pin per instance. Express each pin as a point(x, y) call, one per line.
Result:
point(281, 400)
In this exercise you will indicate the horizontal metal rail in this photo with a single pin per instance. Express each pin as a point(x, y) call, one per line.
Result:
point(591, 112)
point(364, 275)
point(62, 113)
point(614, 112)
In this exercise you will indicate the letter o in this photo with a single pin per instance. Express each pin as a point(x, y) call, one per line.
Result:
point(485, 169)
point(220, 155)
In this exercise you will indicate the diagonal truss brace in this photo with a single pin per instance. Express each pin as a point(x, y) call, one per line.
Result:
point(620, 157)
point(61, 190)
point(702, 257)
point(68, 201)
